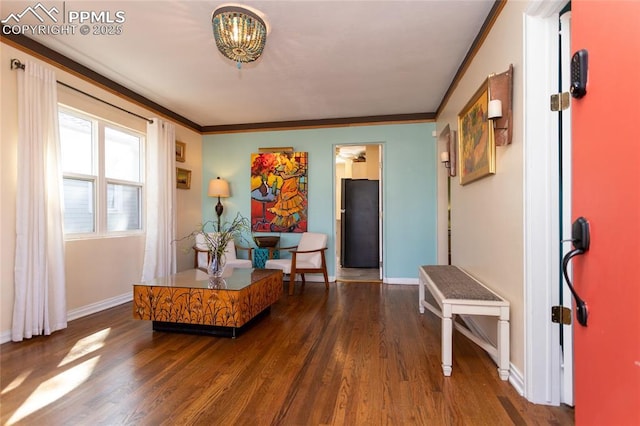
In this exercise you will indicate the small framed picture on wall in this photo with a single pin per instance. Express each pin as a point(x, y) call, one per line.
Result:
point(181, 149)
point(183, 178)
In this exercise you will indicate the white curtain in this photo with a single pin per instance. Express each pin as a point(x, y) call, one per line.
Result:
point(40, 297)
point(160, 185)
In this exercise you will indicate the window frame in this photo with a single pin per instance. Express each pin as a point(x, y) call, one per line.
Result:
point(100, 181)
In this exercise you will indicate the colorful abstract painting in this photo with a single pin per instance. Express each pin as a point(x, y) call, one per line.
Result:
point(279, 191)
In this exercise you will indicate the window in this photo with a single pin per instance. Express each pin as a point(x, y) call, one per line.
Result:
point(102, 175)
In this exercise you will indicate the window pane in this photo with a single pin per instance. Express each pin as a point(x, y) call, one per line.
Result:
point(122, 155)
point(123, 207)
point(76, 144)
point(78, 206)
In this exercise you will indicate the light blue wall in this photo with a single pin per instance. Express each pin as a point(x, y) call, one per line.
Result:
point(408, 181)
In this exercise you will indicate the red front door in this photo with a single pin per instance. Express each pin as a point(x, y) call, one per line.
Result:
point(606, 191)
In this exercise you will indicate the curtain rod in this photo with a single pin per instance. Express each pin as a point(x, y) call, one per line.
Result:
point(17, 64)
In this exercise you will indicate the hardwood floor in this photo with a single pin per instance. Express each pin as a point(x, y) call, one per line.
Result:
point(359, 354)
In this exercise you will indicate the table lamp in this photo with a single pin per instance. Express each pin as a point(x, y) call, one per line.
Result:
point(218, 188)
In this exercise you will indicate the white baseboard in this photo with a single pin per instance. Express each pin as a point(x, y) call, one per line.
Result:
point(403, 281)
point(5, 336)
point(99, 306)
point(516, 379)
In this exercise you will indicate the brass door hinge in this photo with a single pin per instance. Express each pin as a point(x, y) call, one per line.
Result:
point(561, 315)
point(560, 101)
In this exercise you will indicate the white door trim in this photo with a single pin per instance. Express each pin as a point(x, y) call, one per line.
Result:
point(337, 201)
point(566, 391)
point(541, 221)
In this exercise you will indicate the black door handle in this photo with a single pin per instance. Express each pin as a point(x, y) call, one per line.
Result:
point(580, 239)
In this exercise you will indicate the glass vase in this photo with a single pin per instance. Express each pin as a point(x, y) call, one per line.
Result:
point(216, 265)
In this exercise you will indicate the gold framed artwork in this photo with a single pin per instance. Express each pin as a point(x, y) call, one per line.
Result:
point(183, 178)
point(476, 142)
point(276, 149)
point(181, 151)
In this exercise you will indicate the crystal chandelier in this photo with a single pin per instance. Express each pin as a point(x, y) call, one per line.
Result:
point(240, 33)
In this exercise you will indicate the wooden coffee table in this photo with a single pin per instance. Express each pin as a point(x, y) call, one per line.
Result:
point(192, 302)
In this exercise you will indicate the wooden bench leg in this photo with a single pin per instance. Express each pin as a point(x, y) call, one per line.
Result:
point(447, 340)
point(420, 295)
point(503, 349)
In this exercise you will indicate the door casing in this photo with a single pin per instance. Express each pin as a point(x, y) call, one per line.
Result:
point(543, 354)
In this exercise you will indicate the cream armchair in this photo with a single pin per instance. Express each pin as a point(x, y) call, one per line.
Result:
point(202, 255)
point(308, 257)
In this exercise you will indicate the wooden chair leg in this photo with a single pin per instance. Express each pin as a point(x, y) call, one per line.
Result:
point(292, 275)
point(292, 278)
point(324, 272)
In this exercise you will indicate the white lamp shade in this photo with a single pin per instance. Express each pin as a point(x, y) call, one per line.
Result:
point(218, 188)
point(444, 156)
point(495, 108)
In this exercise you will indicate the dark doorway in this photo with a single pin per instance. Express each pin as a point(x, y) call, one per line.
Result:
point(358, 163)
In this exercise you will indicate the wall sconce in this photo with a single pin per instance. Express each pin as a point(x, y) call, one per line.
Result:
point(447, 140)
point(444, 158)
point(218, 188)
point(500, 110)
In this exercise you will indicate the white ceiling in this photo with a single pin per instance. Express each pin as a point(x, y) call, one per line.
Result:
point(323, 59)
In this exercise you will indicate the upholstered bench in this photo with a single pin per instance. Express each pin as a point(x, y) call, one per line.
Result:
point(456, 292)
